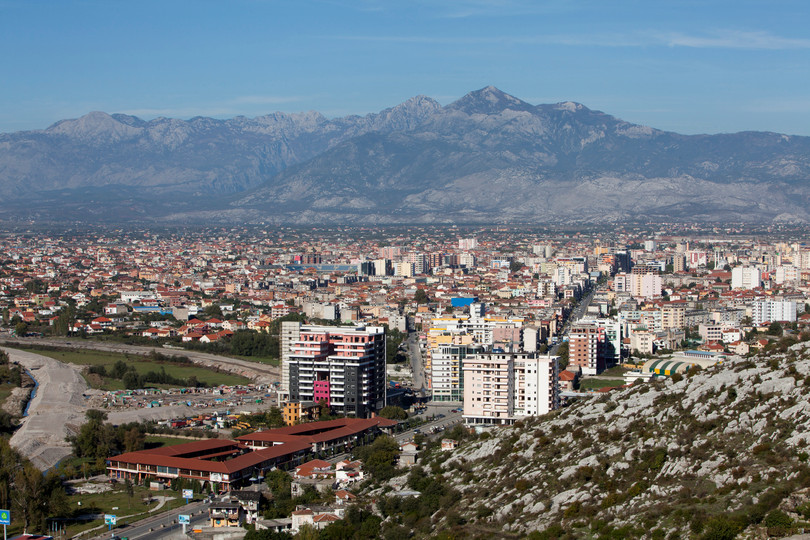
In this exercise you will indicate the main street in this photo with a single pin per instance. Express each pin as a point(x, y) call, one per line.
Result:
point(576, 314)
point(417, 364)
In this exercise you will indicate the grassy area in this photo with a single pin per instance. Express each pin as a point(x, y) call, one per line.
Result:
point(158, 441)
point(595, 384)
point(615, 371)
point(142, 366)
point(118, 502)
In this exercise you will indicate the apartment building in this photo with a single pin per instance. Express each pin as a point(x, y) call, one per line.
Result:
point(586, 348)
point(745, 277)
point(673, 317)
point(773, 310)
point(500, 387)
point(447, 379)
point(341, 365)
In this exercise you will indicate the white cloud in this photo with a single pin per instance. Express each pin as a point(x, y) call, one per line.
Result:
point(725, 39)
point(265, 100)
point(736, 39)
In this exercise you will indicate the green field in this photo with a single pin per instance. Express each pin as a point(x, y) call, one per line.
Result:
point(588, 384)
point(117, 502)
point(142, 366)
point(158, 441)
point(615, 371)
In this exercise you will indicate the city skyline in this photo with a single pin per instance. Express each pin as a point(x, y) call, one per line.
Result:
point(684, 67)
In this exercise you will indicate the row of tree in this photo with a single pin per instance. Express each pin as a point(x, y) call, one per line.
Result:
point(31, 496)
point(99, 440)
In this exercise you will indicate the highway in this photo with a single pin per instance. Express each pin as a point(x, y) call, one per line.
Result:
point(162, 525)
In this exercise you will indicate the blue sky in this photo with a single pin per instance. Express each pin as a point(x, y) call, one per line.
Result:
point(698, 66)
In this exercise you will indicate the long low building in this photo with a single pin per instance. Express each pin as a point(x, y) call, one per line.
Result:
point(223, 464)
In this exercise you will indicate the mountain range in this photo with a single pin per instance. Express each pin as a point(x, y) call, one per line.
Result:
point(488, 157)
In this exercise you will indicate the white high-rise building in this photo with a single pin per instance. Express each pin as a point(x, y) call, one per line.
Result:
point(499, 388)
point(289, 334)
point(745, 277)
point(466, 244)
point(773, 311)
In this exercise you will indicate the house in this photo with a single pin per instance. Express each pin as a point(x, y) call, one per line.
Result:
point(315, 468)
point(739, 347)
point(449, 444)
point(343, 497)
point(567, 379)
point(318, 517)
point(249, 501)
point(321, 485)
point(104, 322)
point(226, 514)
point(209, 338)
point(348, 472)
point(234, 325)
point(407, 456)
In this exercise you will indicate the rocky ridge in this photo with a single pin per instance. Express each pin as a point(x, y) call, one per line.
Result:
point(723, 449)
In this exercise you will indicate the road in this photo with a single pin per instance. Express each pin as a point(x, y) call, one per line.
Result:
point(450, 419)
point(417, 364)
point(258, 372)
point(575, 315)
point(162, 525)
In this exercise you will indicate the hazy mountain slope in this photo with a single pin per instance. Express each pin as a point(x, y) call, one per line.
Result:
point(675, 459)
point(492, 157)
point(198, 157)
point(488, 157)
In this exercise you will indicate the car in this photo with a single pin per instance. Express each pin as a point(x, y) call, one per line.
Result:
point(439, 416)
point(417, 431)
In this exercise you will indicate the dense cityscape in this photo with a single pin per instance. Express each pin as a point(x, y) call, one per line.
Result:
point(377, 348)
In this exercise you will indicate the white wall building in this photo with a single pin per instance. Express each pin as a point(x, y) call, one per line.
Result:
point(745, 277)
point(773, 311)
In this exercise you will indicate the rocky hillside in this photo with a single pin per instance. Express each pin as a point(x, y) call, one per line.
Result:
point(717, 454)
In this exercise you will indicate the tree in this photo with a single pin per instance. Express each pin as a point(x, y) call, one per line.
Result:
point(775, 329)
point(130, 489)
point(515, 266)
point(394, 413)
point(421, 297)
point(65, 321)
point(378, 457)
point(562, 352)
point(213, 311)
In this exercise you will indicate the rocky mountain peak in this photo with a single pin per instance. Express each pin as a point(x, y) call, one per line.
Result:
point(489, 100)
point(407, 114)
point(96, 125)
